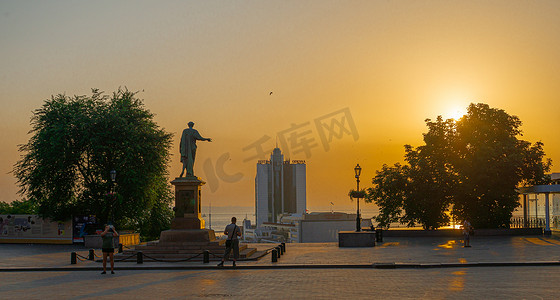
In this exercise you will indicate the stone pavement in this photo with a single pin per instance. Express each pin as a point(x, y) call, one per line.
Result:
point(423, 267)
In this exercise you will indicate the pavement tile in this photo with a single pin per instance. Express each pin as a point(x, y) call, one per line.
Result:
point(436, 268)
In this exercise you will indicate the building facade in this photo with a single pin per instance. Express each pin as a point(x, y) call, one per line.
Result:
point(280, 188)
point(539, 206)
point(317, 227)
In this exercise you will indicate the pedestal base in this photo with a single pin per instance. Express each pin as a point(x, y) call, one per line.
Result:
point(179, 236)
point(356, 239)
point(187, 223)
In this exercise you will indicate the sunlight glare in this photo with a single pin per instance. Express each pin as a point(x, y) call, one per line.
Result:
point(454, 112)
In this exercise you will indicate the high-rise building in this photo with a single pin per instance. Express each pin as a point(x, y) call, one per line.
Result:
point(279, 188)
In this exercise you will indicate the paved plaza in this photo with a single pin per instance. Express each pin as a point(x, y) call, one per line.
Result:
point(526, 267)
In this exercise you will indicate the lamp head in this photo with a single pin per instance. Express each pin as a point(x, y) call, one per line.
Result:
point(357, 170)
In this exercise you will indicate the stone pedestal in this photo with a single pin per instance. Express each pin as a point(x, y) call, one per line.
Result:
point(181, 236)
point(187, 237)
point(187, 226)
point(356, 239)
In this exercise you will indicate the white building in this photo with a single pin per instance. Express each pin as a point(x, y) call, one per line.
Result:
point(317, 227)
point(280, 188)
point(540, 206)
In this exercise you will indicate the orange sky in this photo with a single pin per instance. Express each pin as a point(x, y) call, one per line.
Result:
point(387, 64)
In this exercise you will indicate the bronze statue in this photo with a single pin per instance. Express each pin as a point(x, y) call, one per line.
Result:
point(188, 148)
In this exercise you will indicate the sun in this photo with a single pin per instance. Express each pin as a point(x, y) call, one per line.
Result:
point(455, 113)
point(452, 101)
point(453, 109)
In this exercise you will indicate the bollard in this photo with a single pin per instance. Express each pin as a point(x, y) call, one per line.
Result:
point(139, 257)
point(281, 250)
point(206, 256)
point(274, 255)
point(73, 258)
point(283, 247)
point(91, 254)
point(379, 235)
point(120, 248)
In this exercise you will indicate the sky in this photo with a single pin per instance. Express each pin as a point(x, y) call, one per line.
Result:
point(334, 83)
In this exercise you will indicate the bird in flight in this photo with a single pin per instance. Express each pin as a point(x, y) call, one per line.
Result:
point(270, 93)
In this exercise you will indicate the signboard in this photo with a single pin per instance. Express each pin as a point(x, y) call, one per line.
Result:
point(33, 229)
point(82, 226)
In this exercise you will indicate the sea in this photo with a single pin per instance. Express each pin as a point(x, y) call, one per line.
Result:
point(218, 218)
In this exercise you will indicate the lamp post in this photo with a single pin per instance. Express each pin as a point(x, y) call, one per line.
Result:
point(358, 171)
point(113, 174)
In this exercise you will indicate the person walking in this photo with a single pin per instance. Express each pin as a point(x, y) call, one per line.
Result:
point(467, 228)
point(232, 243)
point(108, 247)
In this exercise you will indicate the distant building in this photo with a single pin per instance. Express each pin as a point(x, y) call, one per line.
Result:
point(539, 206)
point(280, 188)
point(317, 227)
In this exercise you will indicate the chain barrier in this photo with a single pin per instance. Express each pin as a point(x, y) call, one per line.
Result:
point(215, 255)
point(265, 252)
point(179, 260)
point(159, 260)
point(81, 258)
point(123, 259)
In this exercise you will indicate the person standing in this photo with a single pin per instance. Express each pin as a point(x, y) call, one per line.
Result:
point(467, 228)
point(232, 243)
point(188, 148)
point(108, 247)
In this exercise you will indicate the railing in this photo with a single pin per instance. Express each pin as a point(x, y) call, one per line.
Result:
point(531, 222)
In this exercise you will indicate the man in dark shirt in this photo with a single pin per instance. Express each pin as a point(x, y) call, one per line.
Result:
point(232, 243)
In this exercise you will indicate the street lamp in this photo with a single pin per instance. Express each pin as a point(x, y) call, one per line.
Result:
point(113, 174)
point(358, 171)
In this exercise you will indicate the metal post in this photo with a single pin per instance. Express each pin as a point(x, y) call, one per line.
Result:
point(547, 214)
point(525, 211)
point(91, 254)
point(274, 255)
point(73, 258)
point(358, 222)
point(139, 257)
point(536, 209)
point(278, 251)
point(283, 247)
point(206, 256)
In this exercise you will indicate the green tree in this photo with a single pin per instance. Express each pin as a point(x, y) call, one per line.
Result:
point(491, 163)
point(419, 192)
point(390, 193)
point(76, 142)
point(18, 207)
point(473, 165)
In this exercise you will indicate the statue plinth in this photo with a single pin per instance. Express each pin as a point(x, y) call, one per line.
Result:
point(187, 226)
point(187, 203)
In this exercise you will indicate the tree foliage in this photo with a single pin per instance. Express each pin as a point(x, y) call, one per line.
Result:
point(76, 142)
point(18, 207)
point(390, 194)
point(471, 166)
